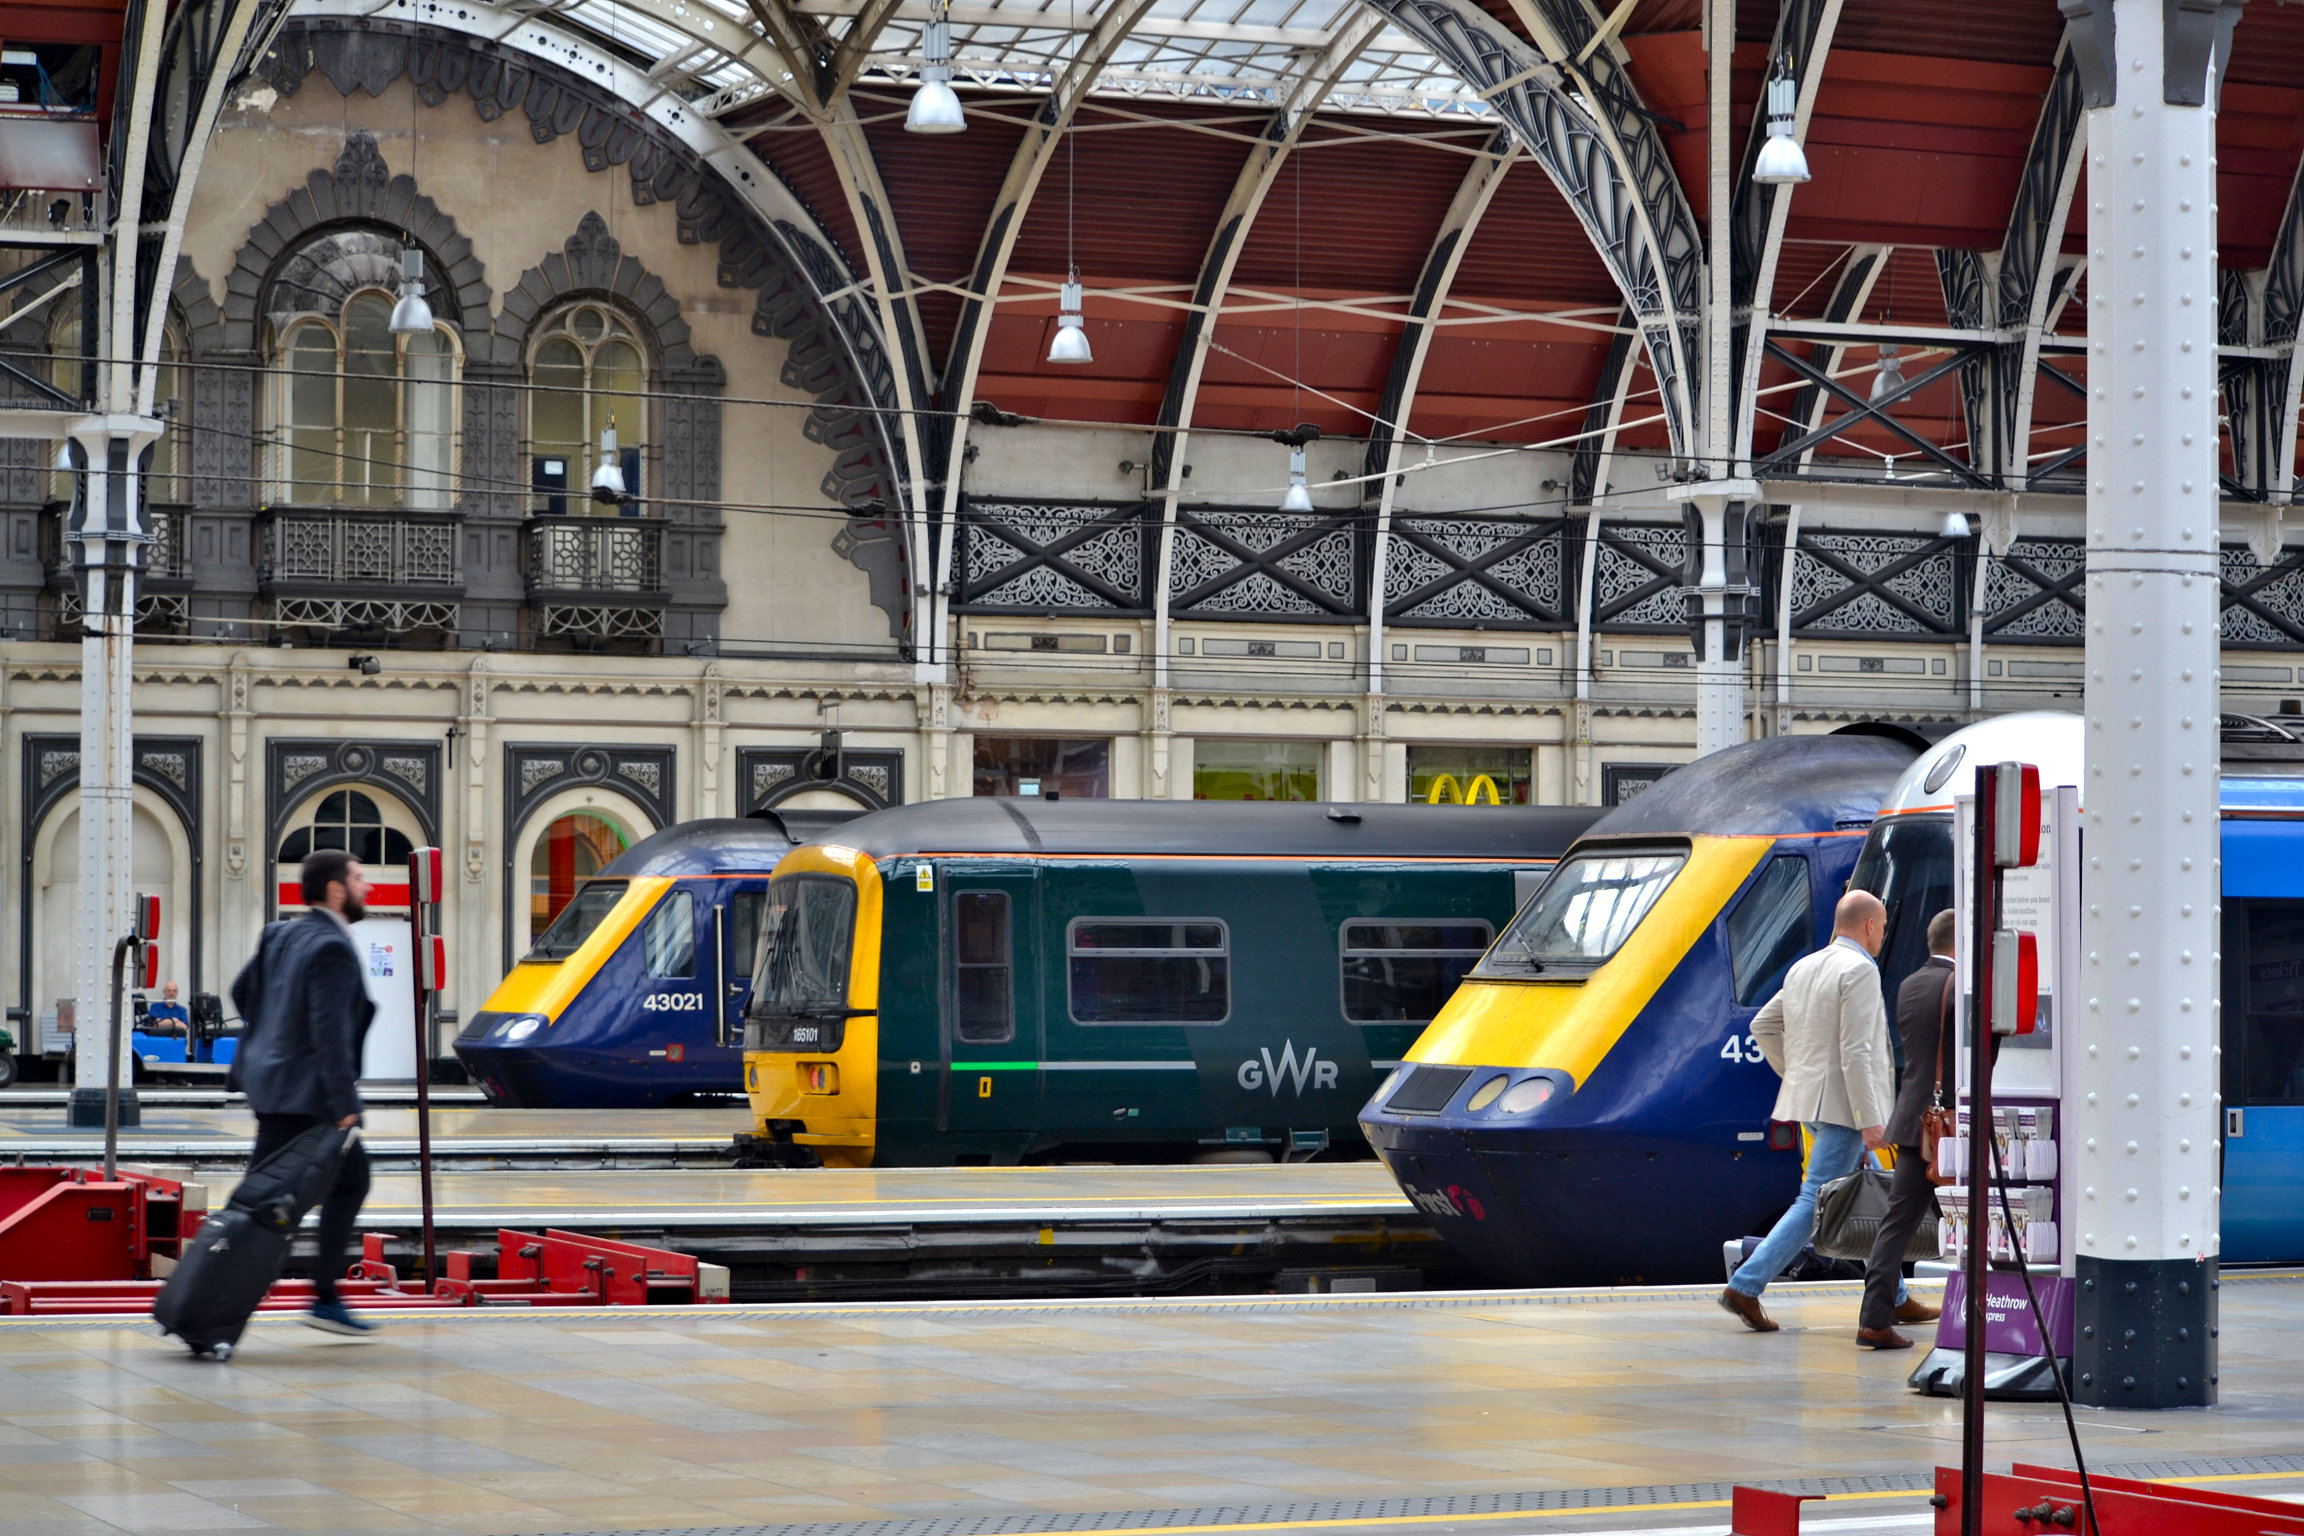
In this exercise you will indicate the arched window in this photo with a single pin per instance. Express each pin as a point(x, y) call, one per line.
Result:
point(362, 417)
point(572, 850)
point(349, 820)
point(590, 373)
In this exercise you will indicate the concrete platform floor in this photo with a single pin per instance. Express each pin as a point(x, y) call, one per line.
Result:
point(1566, 1412)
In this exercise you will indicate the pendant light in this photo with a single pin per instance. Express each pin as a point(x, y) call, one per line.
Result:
point(1782, 162)
point(1070, 344)
point(608, 479)
point(935, 105)
point(1298, 497)
point(1955, 526)
point(1890, 377)
point(411, 316)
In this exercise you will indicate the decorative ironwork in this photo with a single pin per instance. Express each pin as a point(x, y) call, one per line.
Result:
point(1876, 585)
point(871, 776)
point(1488, 571)
point(593, 621)
point(1034, 556)
point(2033, 592)
point(157, 613)
point(596, 555)
point(1785, 461)
point(1637, 577)
point(2263, 604)
point(391, 615)
point(370, 549)
point(1255, 564)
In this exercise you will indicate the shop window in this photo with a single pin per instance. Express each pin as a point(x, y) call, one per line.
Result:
point(1441, 775)
point(1044, 767)
point(1400, 973)
point(669, 937)
point(985, 1014)
point(1258, 770)
point(362, 417)
point(352, 821)
point(1770, 929)
point(572, 850)
point(1149, 971)
point(589, 374)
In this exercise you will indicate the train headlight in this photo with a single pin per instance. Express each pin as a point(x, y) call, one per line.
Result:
point(1385, 1086)
point(1525, 1095)
point(1486, 1093)
point(519, 1027)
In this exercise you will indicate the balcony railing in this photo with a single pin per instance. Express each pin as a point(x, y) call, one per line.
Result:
point(363, 551)
point(597, 559)
point(164, 557)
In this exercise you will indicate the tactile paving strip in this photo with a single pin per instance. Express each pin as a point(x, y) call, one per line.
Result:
point(1367, 1512)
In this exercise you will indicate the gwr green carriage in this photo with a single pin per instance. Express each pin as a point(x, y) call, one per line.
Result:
point(1004, 980)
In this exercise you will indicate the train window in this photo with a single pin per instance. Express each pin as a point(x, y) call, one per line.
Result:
point(1907, 863)
point(1400, 973)
point(980, 968)
point(574, 925)
point(2264, 985)
point(669, 939)
point(804, 940)
point(1584, 913)
point(1770, 928)
point(1149, 970)
point(744, 929)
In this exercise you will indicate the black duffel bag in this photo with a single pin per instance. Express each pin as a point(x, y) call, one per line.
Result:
point(1849, 1211)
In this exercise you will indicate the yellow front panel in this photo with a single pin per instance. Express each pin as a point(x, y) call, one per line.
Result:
point(547, 986)
point(1572, 1025)
point(835, 1095)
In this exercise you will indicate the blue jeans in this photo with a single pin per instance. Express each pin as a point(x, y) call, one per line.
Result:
point(1835, 1152)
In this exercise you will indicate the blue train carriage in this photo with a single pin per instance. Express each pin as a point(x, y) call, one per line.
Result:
point(1002, 980)
point(1908, 863)
point(633, 997)
point(1589, 1107)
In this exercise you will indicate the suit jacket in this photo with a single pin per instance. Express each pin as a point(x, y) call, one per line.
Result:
point(305, 1012)
point(1919, 1020)
point(1826, 1034)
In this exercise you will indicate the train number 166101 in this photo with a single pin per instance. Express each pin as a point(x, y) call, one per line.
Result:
point(664, 1002)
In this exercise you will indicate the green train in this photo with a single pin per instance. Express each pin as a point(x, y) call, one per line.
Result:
point(996, 981)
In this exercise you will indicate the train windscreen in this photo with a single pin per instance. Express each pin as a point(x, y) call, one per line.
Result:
point(1584, 913)
point(586, 911)
point(1907, 863)
point(805, 936)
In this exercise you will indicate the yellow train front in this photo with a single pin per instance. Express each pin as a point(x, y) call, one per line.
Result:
point(1589, 1107)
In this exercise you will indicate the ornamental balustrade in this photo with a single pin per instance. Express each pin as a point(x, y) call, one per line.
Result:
point(604, 559)
point(363, 550)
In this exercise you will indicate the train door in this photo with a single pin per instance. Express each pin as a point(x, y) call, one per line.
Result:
point(675, 992)
point(990, 997)
point(2263, 1076)
point(735, 946)
point(1774, 923)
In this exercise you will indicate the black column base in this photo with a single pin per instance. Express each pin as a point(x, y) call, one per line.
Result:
point(2144, 1333)
point(86, 1109)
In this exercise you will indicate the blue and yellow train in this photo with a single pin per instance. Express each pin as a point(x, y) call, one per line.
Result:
point(1589, 1106)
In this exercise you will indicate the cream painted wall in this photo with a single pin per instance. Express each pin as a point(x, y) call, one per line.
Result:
point(517, 201)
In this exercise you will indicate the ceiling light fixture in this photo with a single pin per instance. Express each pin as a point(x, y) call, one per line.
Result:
point(935, 105)
point(1955, 526)
point(411, 316)
point(1070, 343)
point(1782, 162)
point(608, 480)
point(1890, 377)
point(1299, 495)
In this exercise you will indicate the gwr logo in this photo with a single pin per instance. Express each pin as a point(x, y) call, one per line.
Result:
point(1255, 1074)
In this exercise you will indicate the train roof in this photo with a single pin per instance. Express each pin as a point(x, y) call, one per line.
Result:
point(705, 847)
point(2259, 752)
point(1215, 829)
point(1782, 785)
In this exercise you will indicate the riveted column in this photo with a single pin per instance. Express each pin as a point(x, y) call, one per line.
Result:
point(2143, 1112)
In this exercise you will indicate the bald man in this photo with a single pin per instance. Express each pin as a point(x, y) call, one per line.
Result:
point(1826, 1034)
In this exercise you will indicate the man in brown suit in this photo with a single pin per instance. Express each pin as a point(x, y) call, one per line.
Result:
point(1920, 1011)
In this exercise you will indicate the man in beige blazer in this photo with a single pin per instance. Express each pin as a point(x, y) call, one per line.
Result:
point(1826, 1034)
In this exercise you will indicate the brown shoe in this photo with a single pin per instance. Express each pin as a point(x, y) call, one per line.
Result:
point(1914, 1310)
point(1881, 1338)
point(1747, 1310)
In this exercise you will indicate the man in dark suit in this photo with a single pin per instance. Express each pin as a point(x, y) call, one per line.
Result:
point(1920, 1012)
point(306, 1012)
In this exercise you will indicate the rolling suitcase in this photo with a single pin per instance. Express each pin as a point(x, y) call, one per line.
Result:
point(240, 1251)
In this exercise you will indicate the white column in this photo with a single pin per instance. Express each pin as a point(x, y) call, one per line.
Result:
point(2144, 1122)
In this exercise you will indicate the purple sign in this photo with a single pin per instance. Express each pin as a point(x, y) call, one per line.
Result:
point(2008, 1327)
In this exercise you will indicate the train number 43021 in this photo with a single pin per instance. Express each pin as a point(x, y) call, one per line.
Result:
point(1741, 1048)
point(672, 1002)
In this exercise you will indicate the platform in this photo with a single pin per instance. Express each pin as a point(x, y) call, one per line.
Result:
point(464, 1135)
point(1545, 1413)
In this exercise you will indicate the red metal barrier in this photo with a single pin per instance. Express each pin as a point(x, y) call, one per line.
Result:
point(64, 1223)
point(2047, 1501)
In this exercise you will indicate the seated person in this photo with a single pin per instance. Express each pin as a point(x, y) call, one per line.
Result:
point(167, 1016)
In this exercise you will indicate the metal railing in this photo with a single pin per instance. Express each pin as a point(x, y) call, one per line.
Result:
point(619, 556)
point(364, 549)
point(164, 557)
